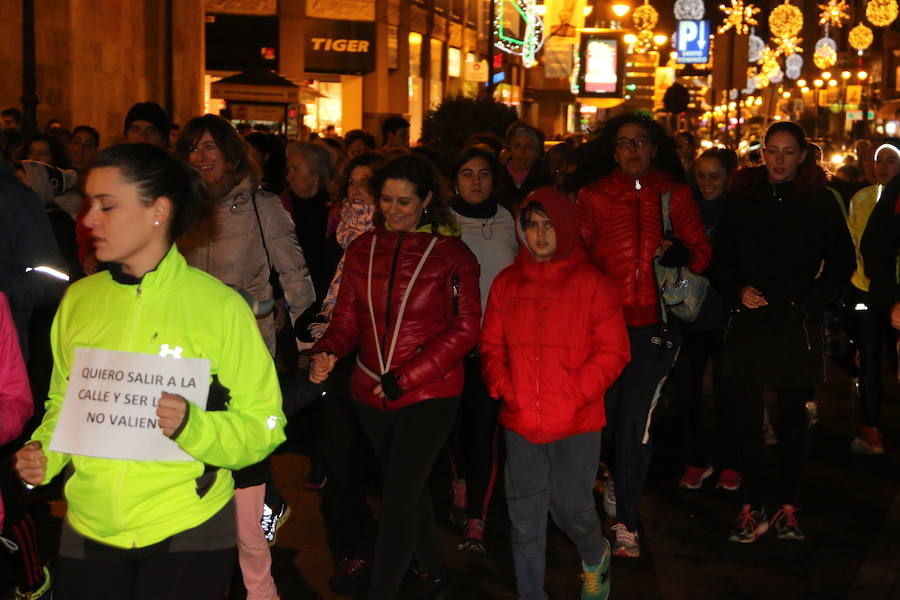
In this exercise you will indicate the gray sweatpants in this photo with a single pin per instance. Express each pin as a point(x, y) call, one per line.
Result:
point(558, 478)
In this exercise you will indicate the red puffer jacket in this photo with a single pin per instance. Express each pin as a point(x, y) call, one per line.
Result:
point(553, 338)
point(621, 226)
point(439, 323)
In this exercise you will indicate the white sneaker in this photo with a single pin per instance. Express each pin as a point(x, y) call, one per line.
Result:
point(626, 544)
point(609, 499)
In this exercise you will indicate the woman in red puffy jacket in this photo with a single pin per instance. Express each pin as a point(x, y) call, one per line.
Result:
point(553, 342)
point(410, 303)
point(621, 224)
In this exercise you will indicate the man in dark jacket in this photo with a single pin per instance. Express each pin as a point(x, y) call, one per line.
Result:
point(32, 271)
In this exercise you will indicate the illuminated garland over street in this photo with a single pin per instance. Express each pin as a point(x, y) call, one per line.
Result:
point(533, 38)
point(834, 13)
point(881, 13)
point(689, 10)
point(785, 22)
point(860, 37)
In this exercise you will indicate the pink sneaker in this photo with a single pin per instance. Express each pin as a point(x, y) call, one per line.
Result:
point(729, 479)
point(693, 477)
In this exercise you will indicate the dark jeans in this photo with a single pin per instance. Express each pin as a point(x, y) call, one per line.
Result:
point(792, 429)
point(629, 413)
point(349, 524)
point(866, 328)
point(473, 444)
point(557, 477)
point(108, 573)
point(697, 349)
point(407, 441)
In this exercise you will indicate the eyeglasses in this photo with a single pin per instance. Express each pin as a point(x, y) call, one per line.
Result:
point(624, 143)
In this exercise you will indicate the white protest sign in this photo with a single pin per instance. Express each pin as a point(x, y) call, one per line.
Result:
point(109, 410)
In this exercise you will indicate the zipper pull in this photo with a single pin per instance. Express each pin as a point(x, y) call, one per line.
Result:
point(637, 184)
point(454, 286)
point(139, 292)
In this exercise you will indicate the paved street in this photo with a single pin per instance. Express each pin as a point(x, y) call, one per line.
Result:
point(850, 514)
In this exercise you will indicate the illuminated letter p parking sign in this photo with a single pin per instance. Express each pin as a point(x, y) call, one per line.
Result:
point(692, 42)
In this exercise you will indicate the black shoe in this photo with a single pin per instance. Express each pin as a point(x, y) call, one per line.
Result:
point(351, 576)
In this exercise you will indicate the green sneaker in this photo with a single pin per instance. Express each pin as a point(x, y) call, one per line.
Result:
point(596, 578)
point(43, 592)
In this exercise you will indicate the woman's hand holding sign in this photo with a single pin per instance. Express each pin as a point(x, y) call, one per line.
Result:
point(31, 464)
point(172, 411)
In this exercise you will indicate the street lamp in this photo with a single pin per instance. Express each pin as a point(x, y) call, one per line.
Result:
point(801, 83)
point(862, 75)
point(832, 83)
point(826, 75)
point(630, 38)
point(845, 75)
point(659, 39)
point(620, 9)
point(804, 89)
point(818, 83)
point(785, 95)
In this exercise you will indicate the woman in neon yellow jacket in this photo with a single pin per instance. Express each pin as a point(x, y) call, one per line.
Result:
point(155, 528)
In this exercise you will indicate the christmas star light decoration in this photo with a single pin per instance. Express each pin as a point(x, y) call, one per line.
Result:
point(881, 13)
point(739, 16)
point(789, 45)
point(834, 13)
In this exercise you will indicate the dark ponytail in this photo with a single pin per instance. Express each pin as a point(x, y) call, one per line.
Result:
point(157, 174)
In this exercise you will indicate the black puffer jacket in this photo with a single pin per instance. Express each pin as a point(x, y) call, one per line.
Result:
point(790, 241)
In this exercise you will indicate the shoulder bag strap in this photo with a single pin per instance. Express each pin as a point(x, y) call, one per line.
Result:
point(262, 234)
point(385, 365)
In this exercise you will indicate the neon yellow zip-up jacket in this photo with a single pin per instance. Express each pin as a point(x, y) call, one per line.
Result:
point(861, 207)
point(132, 504)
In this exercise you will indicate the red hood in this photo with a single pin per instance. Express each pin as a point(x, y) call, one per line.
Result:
point(564, 214)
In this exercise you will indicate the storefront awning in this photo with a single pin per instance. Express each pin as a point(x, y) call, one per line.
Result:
point(262, 85)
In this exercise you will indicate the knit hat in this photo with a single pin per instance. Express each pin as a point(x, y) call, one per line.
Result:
point(152, 113)
point(523, 128)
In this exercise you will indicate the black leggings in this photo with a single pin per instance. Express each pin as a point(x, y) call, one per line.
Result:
point(697, 349)
point(349, 524)
point(866, 328)
point(792, 429)
point(407, 441)
point(473, 445)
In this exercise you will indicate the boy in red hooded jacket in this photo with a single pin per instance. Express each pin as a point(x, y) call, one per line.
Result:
point(553, 341)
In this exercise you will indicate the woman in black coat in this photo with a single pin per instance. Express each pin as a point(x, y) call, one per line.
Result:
point(781, 252)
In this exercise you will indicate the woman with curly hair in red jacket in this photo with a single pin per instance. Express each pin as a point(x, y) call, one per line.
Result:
point(553, 341)
point(621, 225)
point(410, 303)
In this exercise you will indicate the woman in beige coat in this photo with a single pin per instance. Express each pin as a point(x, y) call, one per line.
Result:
point(248, 235)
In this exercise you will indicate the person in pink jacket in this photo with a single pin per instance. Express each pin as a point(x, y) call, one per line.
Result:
point(16, 405)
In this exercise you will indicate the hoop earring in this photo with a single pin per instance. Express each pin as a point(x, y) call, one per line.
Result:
point(156, 223)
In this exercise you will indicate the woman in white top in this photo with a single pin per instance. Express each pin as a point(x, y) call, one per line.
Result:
point(489, 231)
